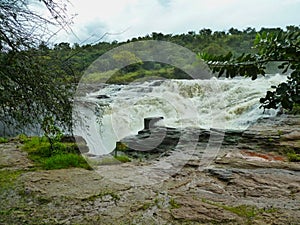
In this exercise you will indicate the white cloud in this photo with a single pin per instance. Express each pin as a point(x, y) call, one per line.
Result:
point(141, 17)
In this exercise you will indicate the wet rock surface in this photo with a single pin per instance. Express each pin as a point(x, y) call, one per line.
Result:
point(248, 181)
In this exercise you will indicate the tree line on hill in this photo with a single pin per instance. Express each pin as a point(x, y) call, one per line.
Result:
point(71, 60)
point(38, 81)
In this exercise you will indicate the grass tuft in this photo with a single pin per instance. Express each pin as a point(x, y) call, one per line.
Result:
point(122, 158)
point(8, 178)
point(60, 156)
point(64, 161)
point(246, 211)
point(293, 157)
point(174, 204)
point(3, 140)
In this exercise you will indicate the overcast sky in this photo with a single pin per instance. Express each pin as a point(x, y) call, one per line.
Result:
point(133, 18)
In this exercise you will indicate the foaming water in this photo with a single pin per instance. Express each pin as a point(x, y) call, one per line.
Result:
point(213, 103)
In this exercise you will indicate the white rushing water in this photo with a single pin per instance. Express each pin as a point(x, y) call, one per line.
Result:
point(213, 103)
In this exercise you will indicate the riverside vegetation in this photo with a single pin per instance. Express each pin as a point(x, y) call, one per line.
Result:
point(49, 151)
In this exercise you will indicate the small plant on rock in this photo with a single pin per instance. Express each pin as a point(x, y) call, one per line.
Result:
point(51, 132)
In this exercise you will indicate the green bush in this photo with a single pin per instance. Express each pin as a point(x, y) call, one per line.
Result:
point(293, 157)
point(3, 140)
point(59, 155)
point(296, 109)
point(41, 146)
point(22, 138)
point(63, 161)
point(34, 143)
point(120, 146)
point(291, 154)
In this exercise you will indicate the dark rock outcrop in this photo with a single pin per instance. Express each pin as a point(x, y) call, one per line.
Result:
point(280, 134)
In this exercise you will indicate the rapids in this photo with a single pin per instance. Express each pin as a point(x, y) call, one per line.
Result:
point(212, 103)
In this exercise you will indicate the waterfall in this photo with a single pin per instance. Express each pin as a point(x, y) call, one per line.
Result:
point(211, 103)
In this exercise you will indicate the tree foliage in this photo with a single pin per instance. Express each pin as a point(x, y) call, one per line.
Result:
point(278, 46)
point(31, 81)
point(217, 42)
point(21, 26)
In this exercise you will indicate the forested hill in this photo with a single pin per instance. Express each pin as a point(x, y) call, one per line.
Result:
point(74, 58)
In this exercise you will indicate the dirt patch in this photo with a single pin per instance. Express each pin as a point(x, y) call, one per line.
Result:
point(11, 157)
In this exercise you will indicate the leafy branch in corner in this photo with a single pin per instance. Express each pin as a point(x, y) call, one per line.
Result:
point(282, 47)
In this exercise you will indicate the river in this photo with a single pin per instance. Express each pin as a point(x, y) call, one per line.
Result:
point(117, 111)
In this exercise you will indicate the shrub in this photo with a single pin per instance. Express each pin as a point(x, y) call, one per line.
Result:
point(63, 161)
point(120, 146)
point(3, 140)
point(56, 156)
point(32, 144)
point(296, 109)
point(293, 157)
point(22, 138)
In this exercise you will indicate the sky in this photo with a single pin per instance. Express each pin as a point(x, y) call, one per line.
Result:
point(125, 19)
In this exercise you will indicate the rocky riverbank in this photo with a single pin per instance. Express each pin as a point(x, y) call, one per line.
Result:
point(249, 181)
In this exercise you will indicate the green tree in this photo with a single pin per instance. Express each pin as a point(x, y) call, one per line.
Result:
point(276, 46)
point(127, 58)
point(32, 85)
point(214, 49)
